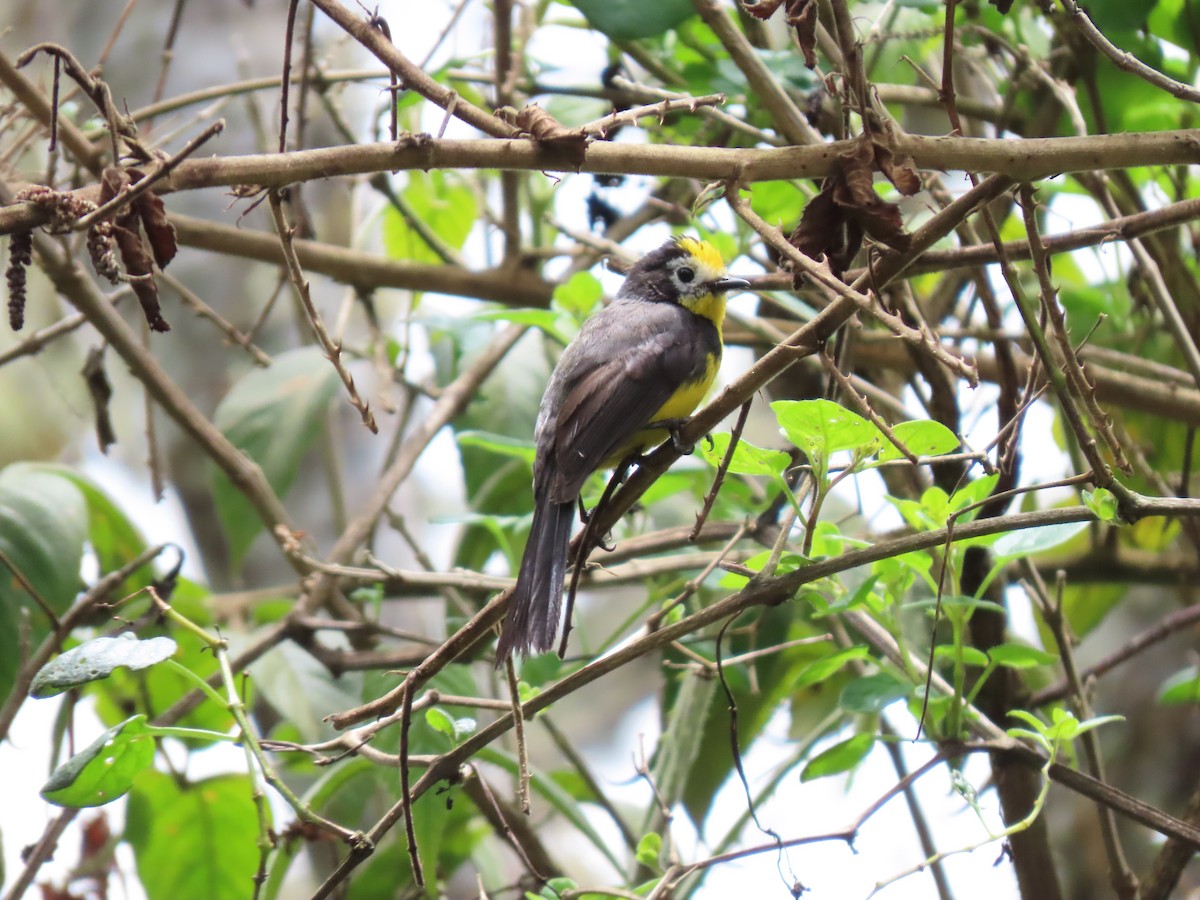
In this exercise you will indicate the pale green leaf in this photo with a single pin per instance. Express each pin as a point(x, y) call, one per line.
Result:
point(822, 427)
point(272, 415)
point(841, 757)
point(920, 438)
point(97, 659)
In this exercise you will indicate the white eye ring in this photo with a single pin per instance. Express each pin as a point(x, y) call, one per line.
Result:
point(685, 274)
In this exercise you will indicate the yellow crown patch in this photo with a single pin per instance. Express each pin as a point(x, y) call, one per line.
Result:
point(705, 253)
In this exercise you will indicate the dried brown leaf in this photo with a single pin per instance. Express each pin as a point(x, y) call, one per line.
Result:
point(848, 208)
point(545, 129)
point(541, 126)
point(112, 181)
point(138, 265)
point(826, 230)
point(900, 171)
point(761, 9)
point(802, 15)
point(159, 231)
point(100, 389)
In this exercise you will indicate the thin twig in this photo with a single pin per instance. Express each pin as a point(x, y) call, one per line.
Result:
point(333, 352)
point(514, 693)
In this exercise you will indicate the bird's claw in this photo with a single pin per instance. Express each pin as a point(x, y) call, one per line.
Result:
point(673, 427)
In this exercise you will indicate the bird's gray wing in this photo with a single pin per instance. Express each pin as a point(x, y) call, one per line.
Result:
point(618, 373)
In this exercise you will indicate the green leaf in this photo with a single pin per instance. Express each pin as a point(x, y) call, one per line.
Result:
point(747, 458)
point(631, 20)
point(111, 534)
point(1029, 719)
point(579, 294)
point(952, 601)
point(1118, 15)
point(514, 448)
point(777, 201)
point(443, 203)
point(1176, 21)
point(822, 427)
point(545, 319)
point(1096, 722)
point(1181, 689)
point(105, 769)
point(1087, 303)
point(96, 659)
point(194, 841)
point(969, 494)
point(914, 513)
point(440, 721)
point(839, 758)
point(648, 849)
point(1019, 656)
point(936, 504)
point(921, 438)
point(272, 415)
point(10, 646)
point(1102, 502)
point(823, 668)
point(553, 889)
point(43, 529)
point(971, 656)
point(1016, 544)
point(873, 693)
point(302, 691)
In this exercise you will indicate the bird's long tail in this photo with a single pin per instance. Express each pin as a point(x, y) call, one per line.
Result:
point(536, 603)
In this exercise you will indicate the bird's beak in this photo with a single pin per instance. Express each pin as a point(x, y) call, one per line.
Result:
point(729, 283)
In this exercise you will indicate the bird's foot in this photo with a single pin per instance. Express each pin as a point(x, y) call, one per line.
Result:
point(673, 427)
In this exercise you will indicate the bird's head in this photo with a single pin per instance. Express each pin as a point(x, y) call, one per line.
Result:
point(684, 270)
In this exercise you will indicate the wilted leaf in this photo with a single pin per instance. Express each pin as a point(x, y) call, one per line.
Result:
point(100, 390)
point(137, 264)
point(541, 126)
point(900, 172)
point(799, 14)
point(802, 15)
point(848, 207)
point(854, 192)
point(126, 232)
point(159, 231)
point(761, 9)
point(824, 230)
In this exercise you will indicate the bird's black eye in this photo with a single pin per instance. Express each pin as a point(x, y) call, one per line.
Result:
point(686, 275)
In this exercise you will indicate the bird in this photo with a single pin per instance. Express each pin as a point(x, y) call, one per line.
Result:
point(647, 358)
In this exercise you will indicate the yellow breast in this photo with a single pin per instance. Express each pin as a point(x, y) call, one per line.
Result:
point(680, 405)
